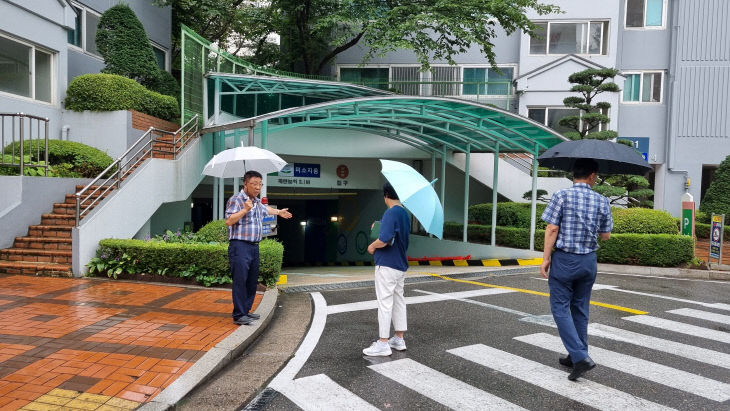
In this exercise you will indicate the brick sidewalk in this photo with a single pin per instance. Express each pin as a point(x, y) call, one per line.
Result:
point(101, 344)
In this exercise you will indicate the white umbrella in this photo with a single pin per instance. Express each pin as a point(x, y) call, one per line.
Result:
point(235, 162)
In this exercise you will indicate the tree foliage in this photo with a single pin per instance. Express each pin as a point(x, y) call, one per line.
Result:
point(589, 84)
point(122, 42)
point(717, 196)
point(314, 32)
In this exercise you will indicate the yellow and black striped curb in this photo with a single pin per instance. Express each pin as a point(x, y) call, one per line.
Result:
point(448, 263)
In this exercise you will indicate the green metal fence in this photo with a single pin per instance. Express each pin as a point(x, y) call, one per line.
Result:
point(200, 56)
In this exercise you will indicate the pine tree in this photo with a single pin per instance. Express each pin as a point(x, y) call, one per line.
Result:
point(717, 197)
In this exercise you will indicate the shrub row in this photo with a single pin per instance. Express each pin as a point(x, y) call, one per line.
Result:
point(208, 262)
point(508, 214)
point(703, 231)
point(110, 92)
point(66, 158)
point(659, 250)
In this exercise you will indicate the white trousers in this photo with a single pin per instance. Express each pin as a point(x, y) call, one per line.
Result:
point(391, 303)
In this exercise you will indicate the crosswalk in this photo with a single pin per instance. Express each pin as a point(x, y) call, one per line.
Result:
point(659, 369)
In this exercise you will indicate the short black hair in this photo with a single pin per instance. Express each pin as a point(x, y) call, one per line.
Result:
point(389, 191)
point(584, 167)
point(250, 174)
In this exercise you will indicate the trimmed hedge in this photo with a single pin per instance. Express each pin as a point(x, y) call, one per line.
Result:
point(643, 221)
point(109, 92)
point(658, 250)
point(508, 214)
point(179, 259)
point(213, 232)
point(703, 231)
point(84, 161)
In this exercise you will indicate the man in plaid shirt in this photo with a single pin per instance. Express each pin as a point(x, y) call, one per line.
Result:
point(575, 216)
point(244, 218)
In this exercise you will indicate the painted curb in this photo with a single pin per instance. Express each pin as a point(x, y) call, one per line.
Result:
point(670, 272)
point(216, 358)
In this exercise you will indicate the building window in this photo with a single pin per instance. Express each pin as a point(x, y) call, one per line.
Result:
point(84, 33)
point(645, 87)
point(25, 70)
point(488, 81)
point(550, 116)
point(371, 77)
point(645, 13)
point(160, 57)
point(581, 37)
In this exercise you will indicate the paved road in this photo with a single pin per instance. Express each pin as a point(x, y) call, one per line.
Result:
point(489, 343)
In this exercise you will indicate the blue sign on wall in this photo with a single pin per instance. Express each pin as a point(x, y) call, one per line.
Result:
point(306, 170)
point(639, 143)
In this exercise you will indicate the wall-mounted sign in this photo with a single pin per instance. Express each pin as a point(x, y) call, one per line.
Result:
point(343, 171)
point(639, 143)
point(306, 170)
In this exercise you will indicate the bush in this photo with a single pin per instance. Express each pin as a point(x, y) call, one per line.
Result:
point(109, 92)
point(165, 83)
point(717, 196)
point(508, 214)
point(67, 158)
point(213, 232)
point(123, 43)
point(643, 221)
point(206, 263)
point(658, 250)
point(703, 230)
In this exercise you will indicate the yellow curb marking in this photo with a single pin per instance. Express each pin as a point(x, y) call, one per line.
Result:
point(522, 290)
point(282, 279)
point(73, 400)
point(529, 261)
point(491, 263)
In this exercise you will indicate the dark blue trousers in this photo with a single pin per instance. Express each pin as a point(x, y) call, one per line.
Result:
point(571, 279)
point(243, 257)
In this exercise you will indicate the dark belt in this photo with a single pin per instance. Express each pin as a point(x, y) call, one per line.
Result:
point(246, 241)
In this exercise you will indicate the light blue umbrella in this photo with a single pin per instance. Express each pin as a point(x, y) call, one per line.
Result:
point(416, 194)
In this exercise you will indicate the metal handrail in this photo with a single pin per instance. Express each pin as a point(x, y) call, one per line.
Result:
point(127, 162)
point(21, 132)
point(523, 162)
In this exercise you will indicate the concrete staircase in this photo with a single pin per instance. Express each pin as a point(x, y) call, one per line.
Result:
point(47, 249)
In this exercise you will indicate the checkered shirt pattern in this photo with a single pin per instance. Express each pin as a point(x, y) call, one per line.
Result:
point(581, 214)
point(247, 228)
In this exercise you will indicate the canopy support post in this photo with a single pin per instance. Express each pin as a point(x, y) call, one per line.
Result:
point(466, 191)
point(495, 183)
point(533, 200)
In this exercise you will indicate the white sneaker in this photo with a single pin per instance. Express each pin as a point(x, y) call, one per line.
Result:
point(397, 344)
point(378, 349)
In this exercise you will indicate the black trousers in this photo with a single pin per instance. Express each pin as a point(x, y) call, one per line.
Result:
point(243, 257)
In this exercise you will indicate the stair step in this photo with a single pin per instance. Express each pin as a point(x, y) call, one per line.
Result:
point(71, 198)
point(58, 219)
point(41, 243)
point(34, 268)
point(33, 255)
point(80, 187)
point(64, 208)
point(57, 231)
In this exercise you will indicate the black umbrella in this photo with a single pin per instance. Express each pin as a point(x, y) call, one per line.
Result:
point(612, 158)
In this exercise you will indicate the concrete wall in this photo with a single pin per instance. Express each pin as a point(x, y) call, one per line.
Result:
point(110, 132)
point(420, 246)
point(24, 199)
point(170, 216)
point(123, 215)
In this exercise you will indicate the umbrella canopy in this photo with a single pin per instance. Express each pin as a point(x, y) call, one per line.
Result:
point(235, 162)
point(612, 158)
point(416, 194)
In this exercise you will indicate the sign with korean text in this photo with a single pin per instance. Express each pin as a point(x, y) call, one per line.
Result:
point(716, 234)
point(639, 143)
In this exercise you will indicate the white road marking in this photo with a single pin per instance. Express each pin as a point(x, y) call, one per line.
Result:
point(658, 373)
point(719, 306)
point(319, 392)
point(319, 318)
point(373, 304)
point(704, 355)
point(552, 379)
point(702, 315)
point(440, 387)
point(679, 327)
point(479, 303)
